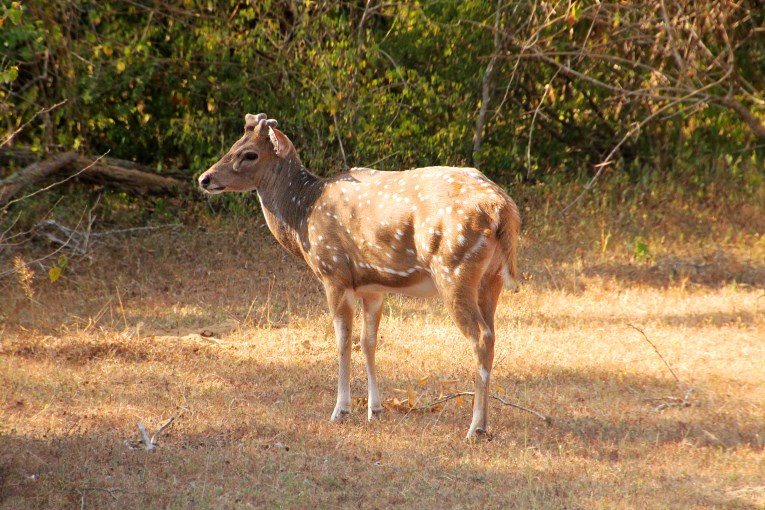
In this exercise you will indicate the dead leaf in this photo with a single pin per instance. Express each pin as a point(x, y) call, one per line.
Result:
point(394, 404)
point(358, 403)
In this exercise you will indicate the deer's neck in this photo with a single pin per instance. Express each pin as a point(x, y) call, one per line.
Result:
point(286, 195)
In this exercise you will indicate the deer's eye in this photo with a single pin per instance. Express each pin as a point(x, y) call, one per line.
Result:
point(251, 156)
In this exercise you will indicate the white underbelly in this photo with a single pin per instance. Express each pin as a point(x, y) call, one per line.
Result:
point(425, 288)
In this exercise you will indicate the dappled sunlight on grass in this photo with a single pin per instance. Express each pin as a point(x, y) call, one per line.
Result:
point(243, 354)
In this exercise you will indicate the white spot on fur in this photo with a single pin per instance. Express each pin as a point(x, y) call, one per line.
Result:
point(476, 247)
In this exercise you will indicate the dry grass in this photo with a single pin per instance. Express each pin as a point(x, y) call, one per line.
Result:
point(217, 324)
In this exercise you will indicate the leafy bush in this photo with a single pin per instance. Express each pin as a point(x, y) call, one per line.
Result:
point(396, 85)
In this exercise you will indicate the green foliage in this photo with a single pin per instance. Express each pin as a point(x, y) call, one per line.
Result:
point(639, 249)
point(362, 83)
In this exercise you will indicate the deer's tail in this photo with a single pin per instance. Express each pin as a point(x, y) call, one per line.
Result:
point(507, 234)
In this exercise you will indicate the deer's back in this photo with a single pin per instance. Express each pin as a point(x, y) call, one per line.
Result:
point(397, 229)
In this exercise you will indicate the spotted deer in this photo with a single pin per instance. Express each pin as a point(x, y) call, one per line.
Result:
point(364, 233)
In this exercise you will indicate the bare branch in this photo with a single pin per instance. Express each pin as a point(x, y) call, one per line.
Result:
point(340, 141)
point(486, 83)
point(546, 419)
point(545, 93)
point(670, 36)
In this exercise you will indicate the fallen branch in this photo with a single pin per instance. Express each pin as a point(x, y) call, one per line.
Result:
point(116, 173)
point(130, 179)
point(80, 240)
point(63, 245)
point(33, 173)
point(546, 419)
point(147, 443)
point(674, 401)
point(155, 437)
point(133, 229)
point(46, 188)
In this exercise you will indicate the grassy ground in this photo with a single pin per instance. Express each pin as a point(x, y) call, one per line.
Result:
point(215, 324)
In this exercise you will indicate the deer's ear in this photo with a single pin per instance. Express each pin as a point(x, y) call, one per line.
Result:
point(282, 144)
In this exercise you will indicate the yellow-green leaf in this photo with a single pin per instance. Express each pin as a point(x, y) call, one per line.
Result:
point(54, 274)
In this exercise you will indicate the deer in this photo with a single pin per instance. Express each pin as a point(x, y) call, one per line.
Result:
point(425, 232)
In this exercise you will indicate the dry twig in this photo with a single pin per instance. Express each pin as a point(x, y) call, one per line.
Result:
point(668, 401)
point(546, 419)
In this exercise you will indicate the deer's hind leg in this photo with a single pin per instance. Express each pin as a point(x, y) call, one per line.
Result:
point(472, 300)
point(490, 289)
point(467, 314)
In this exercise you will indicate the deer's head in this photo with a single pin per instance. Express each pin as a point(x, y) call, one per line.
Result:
point(248, 161)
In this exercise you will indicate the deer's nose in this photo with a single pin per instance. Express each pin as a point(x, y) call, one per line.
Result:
point(204, 181)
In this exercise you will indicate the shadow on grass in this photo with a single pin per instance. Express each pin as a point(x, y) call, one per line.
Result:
point(260, 437)
point(606, 448)
point(716, 271)
point(687, 320)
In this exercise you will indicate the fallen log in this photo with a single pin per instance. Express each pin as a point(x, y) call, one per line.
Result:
point(128, 179)
point(35, 172)
point(115, 173)
point(18, 157)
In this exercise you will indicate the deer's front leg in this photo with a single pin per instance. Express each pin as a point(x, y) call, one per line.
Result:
point(341, 307)
point(372, 307)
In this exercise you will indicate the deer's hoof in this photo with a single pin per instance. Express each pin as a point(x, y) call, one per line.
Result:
point(477, 434)
point(374, 414)
point(339, 414)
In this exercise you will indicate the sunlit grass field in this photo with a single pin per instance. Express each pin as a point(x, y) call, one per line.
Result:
point(213, 323)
